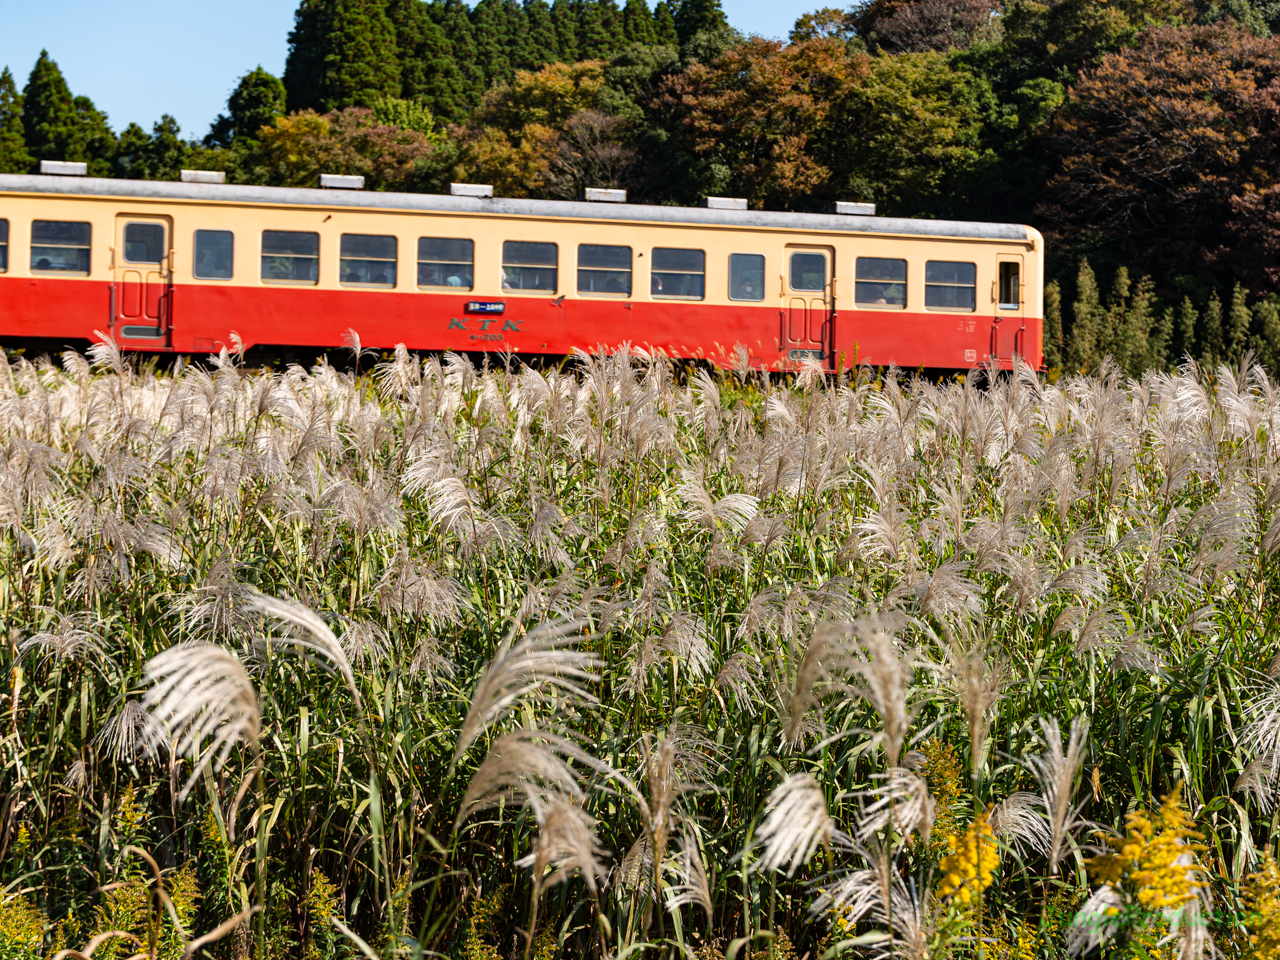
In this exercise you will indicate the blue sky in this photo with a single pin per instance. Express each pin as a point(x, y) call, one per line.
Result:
point(141, 58)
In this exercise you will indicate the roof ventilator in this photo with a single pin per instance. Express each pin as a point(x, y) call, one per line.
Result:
point(64, 168)
point(724, 203)
point(202, 176)
point(337, 181)
point(604, 195)
point(478, 190)
point(849, 209)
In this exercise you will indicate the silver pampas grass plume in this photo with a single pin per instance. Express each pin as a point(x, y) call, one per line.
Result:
point(902, 797)
point(132, 732)
point(977, 683)
point(204, 700)
point(1056, 770)
point(524, 765)
point(545, 659)
point(566, 842)
point(796, 824)
point(318, 636)
point(1019, 821)
point(883, 679)
point(691, 887)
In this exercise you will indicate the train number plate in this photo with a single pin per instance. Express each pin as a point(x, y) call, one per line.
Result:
point(486, 306)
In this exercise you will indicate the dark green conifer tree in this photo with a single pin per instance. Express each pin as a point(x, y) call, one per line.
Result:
point(1266, 344)
point(521, 53)
point(428, 72)
point(1184, 337)
point(544, 44)
point(58, 126)
point(1082, 348)
point(597, 23)
point(158, 156)
point(564, 15)
point(1211, 345)
point(1239, 319)
point(255, 103)
point(304, 67)
point(342, 53)
point(502, 39)
point(637, 23)
point(13, 145)
point(1052, 325)
point(454, 19)
point(664, 24)
point(694, 16)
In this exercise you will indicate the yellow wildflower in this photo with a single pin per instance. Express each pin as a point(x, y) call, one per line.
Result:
point(969, 866)
point(1154, 861)
point(1261, 895)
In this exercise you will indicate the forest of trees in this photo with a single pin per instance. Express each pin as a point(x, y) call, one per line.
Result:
point(1141, 136)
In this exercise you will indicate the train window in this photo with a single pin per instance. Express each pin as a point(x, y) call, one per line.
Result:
point(880, 282)
point(446, 263)
point(950, 286)
point(143, 243)
point(529, 267)
point(290, 256)
point(367, 261)
point(604, 269)
point(60, 246)
point(214, 254)
point(1010, 286)
point(678, 274)
point(808, 272)
point(746, 276)
point(4, 246)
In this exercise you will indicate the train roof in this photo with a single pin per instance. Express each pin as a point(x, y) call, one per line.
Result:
point(508, 206)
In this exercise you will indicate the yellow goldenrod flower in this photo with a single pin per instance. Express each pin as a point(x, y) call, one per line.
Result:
point(1261, 896)
point(970, 864)
point(1154, 862)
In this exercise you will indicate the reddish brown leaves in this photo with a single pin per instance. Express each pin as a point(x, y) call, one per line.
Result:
point(1163, 148)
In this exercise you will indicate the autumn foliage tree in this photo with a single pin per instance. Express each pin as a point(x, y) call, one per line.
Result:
point(299, 147)
point(1164, 152)
point(546, 134)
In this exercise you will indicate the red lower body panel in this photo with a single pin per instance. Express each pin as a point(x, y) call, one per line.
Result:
point(202, 319)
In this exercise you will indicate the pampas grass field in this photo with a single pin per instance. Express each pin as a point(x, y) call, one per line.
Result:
point(624, 659)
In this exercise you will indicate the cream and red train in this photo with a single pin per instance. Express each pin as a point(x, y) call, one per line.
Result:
point(182, 267)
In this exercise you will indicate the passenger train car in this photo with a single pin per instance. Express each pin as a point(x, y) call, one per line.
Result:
point(182, 267)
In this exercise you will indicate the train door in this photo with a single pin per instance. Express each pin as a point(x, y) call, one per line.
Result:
point(1007, 329)
point(809, 297)
point(142, 294)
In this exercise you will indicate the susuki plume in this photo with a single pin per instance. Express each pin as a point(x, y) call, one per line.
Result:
point(796, 824)
point(1057, 769)
point(205, 702)
point(545, 659)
